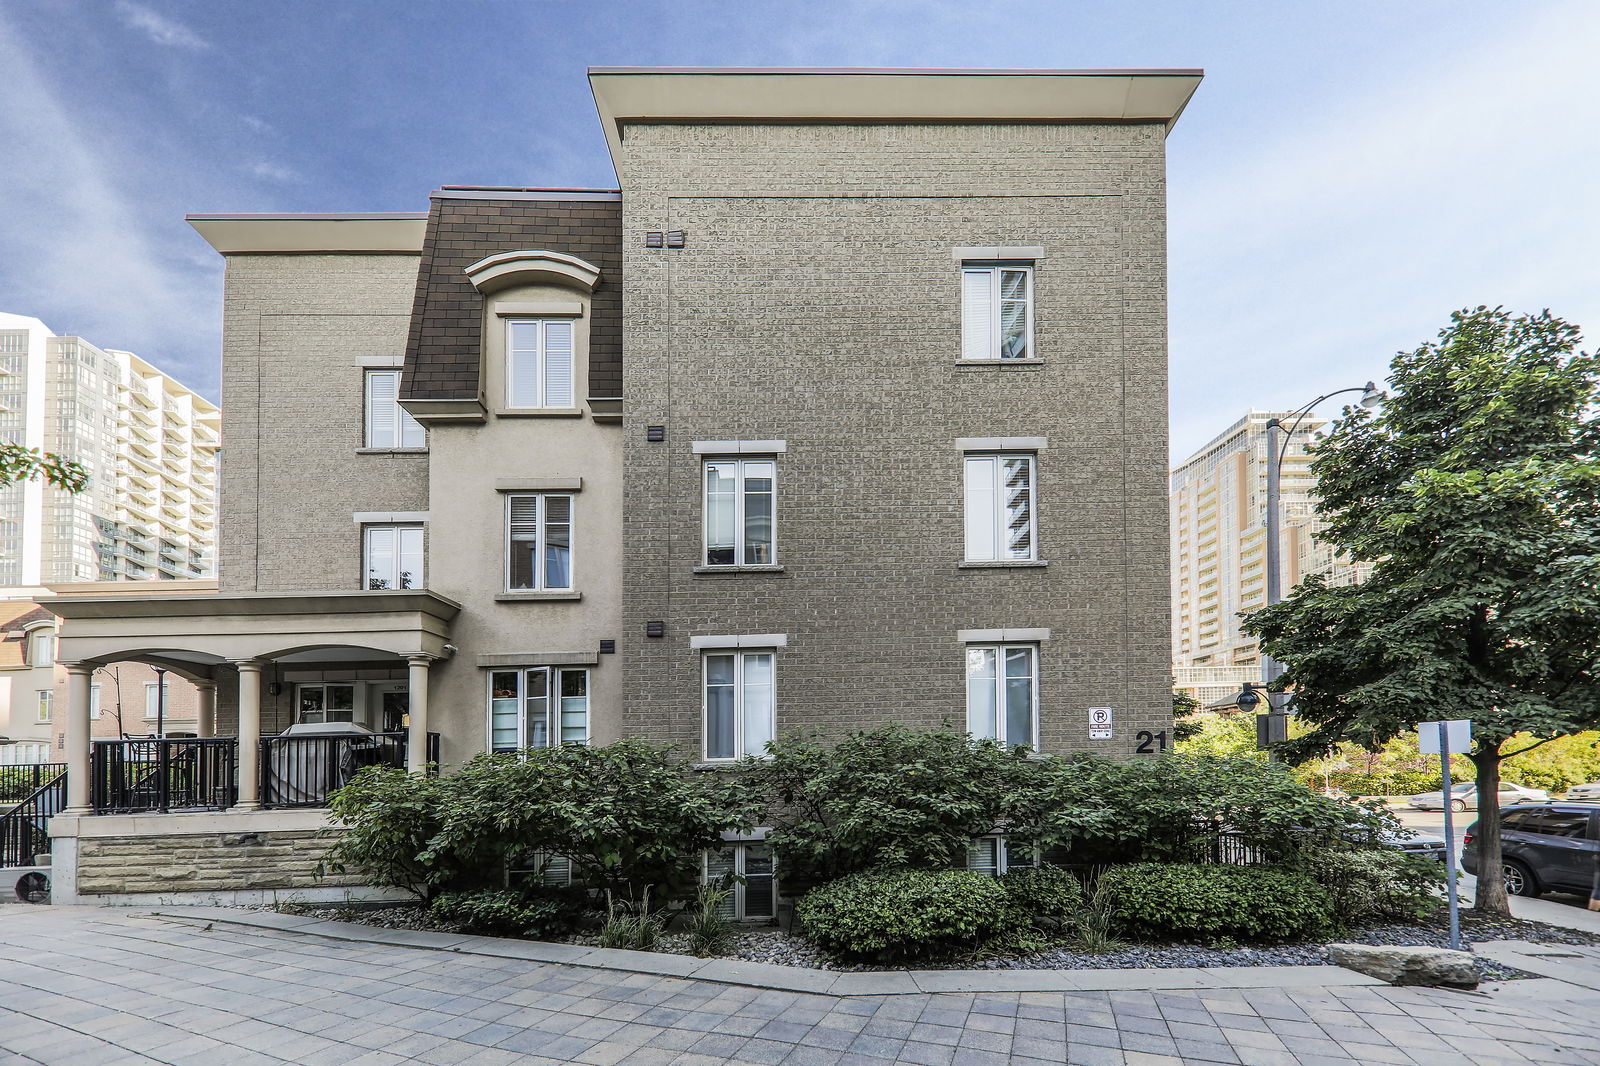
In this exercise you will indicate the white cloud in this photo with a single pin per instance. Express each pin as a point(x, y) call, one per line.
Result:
point(158, 27)
point(1302, 267)
point(275, 172)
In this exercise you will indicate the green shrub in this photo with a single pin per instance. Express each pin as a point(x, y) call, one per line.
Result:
point(904, 914)
point(1210, 904)
point(884, 798)
point(1377, 884)
point(1047, 896)
point(390, 818)
point(505, 912)
point(629, 816)
point(1172, 810)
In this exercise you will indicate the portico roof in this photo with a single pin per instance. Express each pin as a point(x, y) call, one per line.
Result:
point(206, 630)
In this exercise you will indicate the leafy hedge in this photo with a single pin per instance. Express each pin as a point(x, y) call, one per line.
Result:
point(630, 817)
point(1178, 901)
point(881, 798)
point(1378, 884)
point(897, 797)
point(904, 914)
point(1047, 897)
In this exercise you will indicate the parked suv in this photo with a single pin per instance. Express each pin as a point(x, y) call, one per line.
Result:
point(1543, 848)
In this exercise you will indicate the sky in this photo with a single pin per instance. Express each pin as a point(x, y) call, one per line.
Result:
point(1347, 174)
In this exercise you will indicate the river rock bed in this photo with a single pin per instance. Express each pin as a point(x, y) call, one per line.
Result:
point(779, 948)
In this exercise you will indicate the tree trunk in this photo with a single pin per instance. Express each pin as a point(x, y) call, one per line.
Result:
point(1491, 895)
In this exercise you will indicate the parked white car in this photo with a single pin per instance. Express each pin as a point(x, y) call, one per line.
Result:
point(1591, 791)
point(1464, 797)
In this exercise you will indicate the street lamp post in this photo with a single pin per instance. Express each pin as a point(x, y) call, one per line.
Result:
point(1277, 718)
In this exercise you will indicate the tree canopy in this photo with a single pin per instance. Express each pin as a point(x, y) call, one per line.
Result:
point(1476, 494)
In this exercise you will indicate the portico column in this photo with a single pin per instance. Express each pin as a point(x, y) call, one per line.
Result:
point(417, 708)
point(205, 724)
point(78, 676)
point(249, 734)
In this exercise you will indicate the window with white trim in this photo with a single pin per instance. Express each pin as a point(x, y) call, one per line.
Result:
point(539, 363)
point(46, 701)
point(95, 709)
point(155, 699)
point(539, 543)
point(530, 706)
point(997, 312)
point(740, 512)
point(44, 649)
point(739, 702)
point(995, 855)
point(388, 425)
point(1003, 692)
point(1000, 517)
point(391, 557)
point(748, 872)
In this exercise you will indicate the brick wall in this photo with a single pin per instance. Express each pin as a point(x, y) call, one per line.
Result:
point(212, 862)
point(294, 328)
point(817, 302)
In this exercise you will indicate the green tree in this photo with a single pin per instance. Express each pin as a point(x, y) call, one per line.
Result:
point(25, 464)
point(1222, 734)
point(1476, 490)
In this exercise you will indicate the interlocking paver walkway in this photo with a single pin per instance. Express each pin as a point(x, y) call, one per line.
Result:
point(81, 987)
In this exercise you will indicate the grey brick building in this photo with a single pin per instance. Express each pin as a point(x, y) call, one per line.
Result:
point(848, 407)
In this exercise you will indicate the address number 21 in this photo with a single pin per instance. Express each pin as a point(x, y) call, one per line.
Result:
point(1150, 743)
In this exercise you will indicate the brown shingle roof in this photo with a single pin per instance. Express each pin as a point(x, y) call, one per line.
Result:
point(445, 343)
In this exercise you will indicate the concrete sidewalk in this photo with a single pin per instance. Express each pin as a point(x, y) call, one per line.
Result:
point(107, 987)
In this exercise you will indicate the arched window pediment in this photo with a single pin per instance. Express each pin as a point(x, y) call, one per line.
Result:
point(507, 269)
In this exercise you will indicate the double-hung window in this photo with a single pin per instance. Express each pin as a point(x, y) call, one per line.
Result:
point(740, 510)
point(538, 707)
point(388, 425)
point(746, 871)
point(1003, 692)
point(539, 543)
point(46, 698)
point(997, 312)
point(739, 703)
point(538, 363)
point(44, 649)
point(391, 557)
point(1000, 516)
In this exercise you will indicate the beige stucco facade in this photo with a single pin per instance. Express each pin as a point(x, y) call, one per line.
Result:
point(475, 466)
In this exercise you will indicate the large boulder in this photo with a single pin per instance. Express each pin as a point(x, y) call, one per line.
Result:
point(1409, 965)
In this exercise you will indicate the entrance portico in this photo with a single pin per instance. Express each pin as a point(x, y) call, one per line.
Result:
point(246, 649)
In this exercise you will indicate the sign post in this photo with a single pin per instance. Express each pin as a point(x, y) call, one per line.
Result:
point(1443, 737)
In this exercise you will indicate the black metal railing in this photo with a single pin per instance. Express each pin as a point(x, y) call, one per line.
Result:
point(25, 828)
point(163, 774)
point(301, 771)
point(21, 780)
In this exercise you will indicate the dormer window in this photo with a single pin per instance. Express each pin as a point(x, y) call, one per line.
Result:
point(539, 363)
